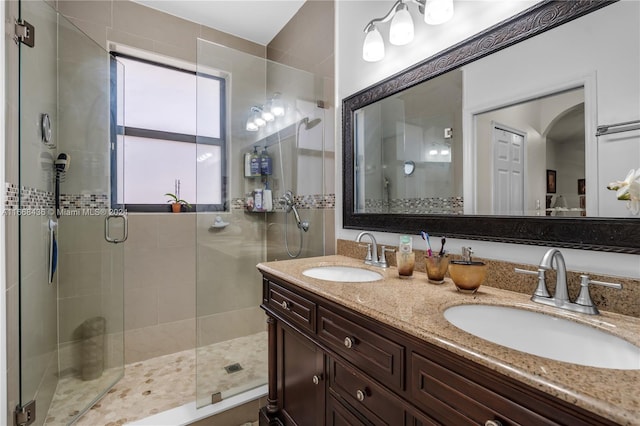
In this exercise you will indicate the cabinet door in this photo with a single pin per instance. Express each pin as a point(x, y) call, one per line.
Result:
point(301, 381)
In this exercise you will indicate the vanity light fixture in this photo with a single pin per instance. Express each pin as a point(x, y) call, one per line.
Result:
point(401, 29)
point(259, 116)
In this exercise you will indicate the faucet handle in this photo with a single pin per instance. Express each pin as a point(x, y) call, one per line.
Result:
point(541, 289)
point(368, 257)
point(383, 257)
point(584, 298)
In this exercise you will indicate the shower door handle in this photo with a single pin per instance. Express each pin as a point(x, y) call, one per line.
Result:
point(107, 231)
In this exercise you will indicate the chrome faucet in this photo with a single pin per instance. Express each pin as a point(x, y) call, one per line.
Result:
point(552, 256)
point(372, 252)
point(560, 299)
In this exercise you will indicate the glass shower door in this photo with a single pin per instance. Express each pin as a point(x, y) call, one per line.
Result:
point(71, 278)
point(231, 352)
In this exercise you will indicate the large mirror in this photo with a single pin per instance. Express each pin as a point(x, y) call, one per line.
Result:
point(500, 134)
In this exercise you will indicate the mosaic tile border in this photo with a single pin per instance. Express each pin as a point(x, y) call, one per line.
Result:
point(35, 199)
point(314, 201)
point(84, 201)
point(11, 195)
point(433, 205)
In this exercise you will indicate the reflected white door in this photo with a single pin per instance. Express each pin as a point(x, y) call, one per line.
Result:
point(508, 170)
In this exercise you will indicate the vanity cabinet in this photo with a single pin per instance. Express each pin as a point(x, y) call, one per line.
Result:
point(329, 365)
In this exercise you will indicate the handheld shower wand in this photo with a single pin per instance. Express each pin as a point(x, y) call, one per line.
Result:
point(289, 205)
point(61, 165)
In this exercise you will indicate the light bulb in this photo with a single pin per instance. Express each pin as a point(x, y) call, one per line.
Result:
point(433, 152)
point(277, 106)
point(373, 47)
point(259, 121)
point(256, 119)
point(438, 11)
point(444, 152)
point(267, 115)
point(401, 30)
point(251, 126)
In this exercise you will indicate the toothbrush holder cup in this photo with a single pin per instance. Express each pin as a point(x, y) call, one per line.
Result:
point(436, 268)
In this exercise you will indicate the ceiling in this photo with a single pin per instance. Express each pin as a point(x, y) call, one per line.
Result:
point(255, 20)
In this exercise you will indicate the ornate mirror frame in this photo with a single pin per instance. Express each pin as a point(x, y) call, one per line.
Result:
point(604, 234)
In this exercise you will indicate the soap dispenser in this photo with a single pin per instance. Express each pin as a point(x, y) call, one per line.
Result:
point(467, 274)
point(405, 257)
point(255, 163)
point(266, 168)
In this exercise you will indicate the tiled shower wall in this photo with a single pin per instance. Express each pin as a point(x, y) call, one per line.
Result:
point(307, 43)
point(159, 270)
point(160, 254)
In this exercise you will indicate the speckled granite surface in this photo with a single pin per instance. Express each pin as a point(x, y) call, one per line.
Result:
point(416, 307)
point(502, 275)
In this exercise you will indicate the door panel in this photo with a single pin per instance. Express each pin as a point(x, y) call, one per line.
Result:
point(71, 279)
point(508, 171)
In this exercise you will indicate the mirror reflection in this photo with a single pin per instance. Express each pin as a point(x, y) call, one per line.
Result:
point(408, 150)
point(530, 157)
point(579, 79)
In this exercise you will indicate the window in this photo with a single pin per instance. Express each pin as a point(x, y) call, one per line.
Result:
point(171, 136)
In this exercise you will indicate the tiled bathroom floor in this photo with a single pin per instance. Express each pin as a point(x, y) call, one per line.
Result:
point(165, 382)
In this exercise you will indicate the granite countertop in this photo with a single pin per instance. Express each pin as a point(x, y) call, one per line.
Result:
point(416, 307)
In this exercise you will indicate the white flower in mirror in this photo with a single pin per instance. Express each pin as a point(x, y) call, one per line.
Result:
point(629, 190)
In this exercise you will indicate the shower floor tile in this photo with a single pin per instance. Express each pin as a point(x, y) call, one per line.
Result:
point(164, 382)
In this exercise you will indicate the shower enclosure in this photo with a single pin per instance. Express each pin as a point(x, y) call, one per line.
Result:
point(70, 276)
point(71, 259)
point(249, 229)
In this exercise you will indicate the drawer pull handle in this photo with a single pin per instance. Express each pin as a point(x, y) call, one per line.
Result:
point(316, 379)
point(360, 395)
point(349, 342)
point(493, 423)
point(286, 305)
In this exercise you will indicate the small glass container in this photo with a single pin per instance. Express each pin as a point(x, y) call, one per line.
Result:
point(437, 268)
point(406, 263)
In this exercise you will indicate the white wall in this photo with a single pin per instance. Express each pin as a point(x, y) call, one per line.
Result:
point(603, 47)
point(354, 74)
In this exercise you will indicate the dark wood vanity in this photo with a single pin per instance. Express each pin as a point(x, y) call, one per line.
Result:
point(330, 365)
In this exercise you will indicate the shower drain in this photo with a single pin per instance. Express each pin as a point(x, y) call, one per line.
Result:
point(233, 368)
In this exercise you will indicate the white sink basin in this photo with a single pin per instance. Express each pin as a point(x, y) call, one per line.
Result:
point(342, 274)
point(545, 336)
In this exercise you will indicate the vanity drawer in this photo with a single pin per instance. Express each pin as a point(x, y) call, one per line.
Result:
point(339, 415)
point(375, 403)
point(295, 308)
point(373, 353)
point(453, 399)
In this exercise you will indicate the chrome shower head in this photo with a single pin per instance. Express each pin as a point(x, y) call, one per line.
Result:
point(310, 124)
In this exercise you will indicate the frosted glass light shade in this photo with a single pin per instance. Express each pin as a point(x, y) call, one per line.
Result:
point(277, 106)
point(438, 11)
point(251, 126)
point(401, 30)
point(373, 47)
point(267, 115)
